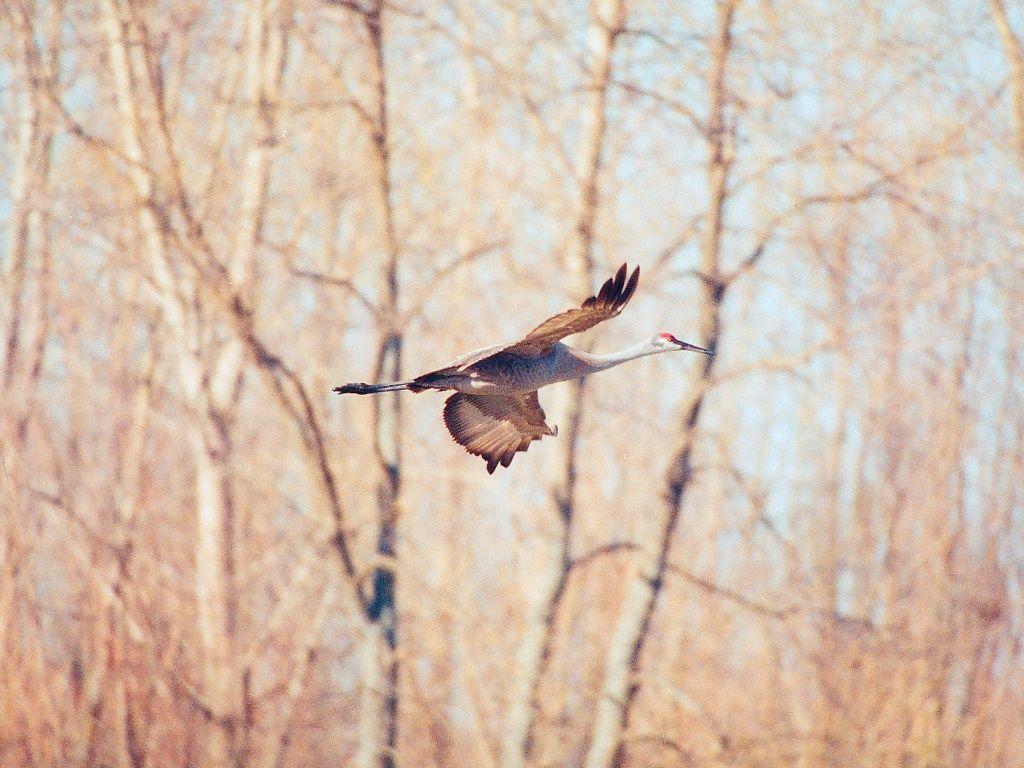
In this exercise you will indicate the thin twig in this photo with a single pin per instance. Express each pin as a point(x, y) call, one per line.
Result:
point(446, 272)
point(712, 588)
point(340, 282)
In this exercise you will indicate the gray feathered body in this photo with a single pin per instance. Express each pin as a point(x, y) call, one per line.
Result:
point(506, 372)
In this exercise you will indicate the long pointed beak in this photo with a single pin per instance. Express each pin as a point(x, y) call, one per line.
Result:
point(694, 348)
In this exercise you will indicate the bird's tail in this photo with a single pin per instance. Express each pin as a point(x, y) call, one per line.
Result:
point(371, 389)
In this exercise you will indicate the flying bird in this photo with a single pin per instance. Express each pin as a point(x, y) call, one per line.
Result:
point(495, 412)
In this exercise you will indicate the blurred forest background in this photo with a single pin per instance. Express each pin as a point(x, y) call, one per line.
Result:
point(809, 552)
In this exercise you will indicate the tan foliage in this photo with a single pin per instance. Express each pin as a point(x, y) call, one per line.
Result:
point(805, 552)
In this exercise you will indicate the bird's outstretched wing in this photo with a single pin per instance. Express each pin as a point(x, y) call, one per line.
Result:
point(608, 302)
point(495, 427)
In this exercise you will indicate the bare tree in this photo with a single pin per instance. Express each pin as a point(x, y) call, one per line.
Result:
point(606, 25)
point(26, 228)
point(378, 729)
point(211, 384)
point(806, 553)
point(634, 627)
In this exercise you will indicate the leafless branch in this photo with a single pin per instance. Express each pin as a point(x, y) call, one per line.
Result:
point(446, 272)
point(340, 282)
point(717, 590)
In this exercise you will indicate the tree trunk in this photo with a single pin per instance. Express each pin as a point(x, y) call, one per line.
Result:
point(212, 586)
point(378, 712)
point(26, 233)
point(537, 644)
point(633, 629)
point(211, 392)
point(28, 179)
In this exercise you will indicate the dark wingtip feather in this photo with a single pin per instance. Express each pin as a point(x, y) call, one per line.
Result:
point(612, 288)
point(620, 276)
point(630, 289)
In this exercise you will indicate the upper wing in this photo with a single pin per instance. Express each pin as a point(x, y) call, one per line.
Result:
point(609, 301)
point(459, 365)
point(468, 359)
point(495, 427)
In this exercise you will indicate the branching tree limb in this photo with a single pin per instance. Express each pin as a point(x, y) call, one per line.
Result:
point(537, 645)
point(633, 632)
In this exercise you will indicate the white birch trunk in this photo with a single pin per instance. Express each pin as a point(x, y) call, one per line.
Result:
point(28, 180)
point(375, 659)
point(521, 717)
point(635, 620)
point(378, 706)
point(210, 589)
point(29, 175)
point(536, 646)
point(608, 715)
point(211, 396)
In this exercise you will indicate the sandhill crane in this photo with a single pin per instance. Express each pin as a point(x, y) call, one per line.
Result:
point(495, 412)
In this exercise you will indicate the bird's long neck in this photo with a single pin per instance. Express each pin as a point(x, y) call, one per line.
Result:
point(601, 362)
